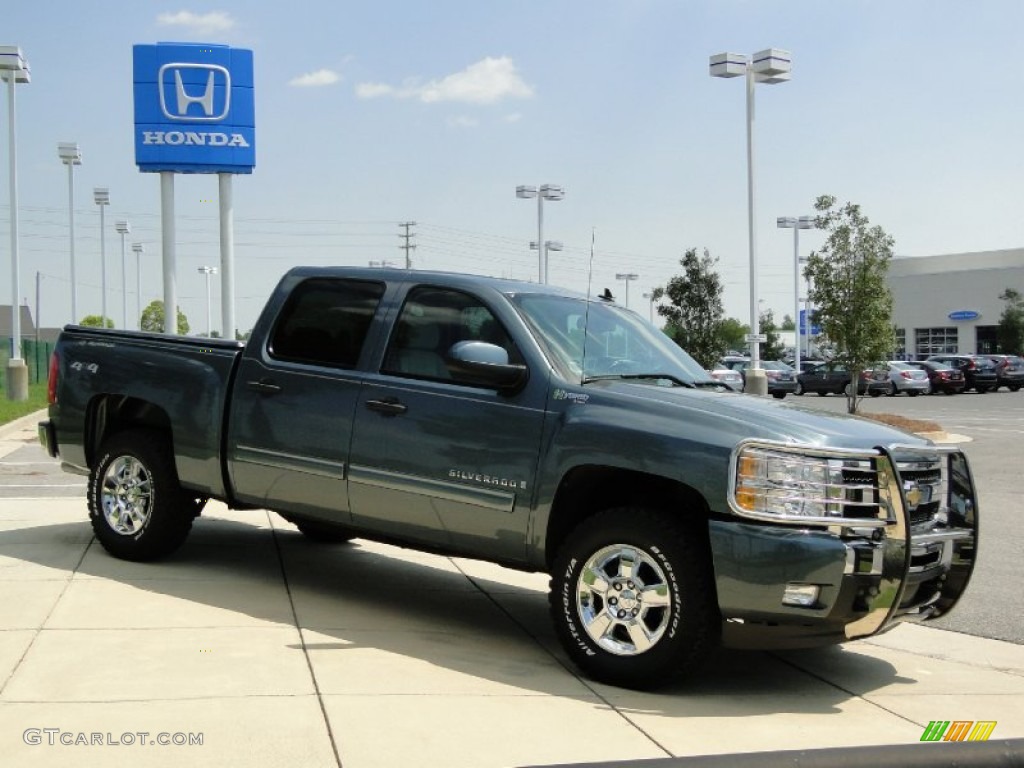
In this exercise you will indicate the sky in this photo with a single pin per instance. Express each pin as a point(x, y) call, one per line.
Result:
point(371, 114)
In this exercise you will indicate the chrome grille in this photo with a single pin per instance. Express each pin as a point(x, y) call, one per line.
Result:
point(923, 488)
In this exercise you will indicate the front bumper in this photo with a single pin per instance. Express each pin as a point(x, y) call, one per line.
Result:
point(914, 567)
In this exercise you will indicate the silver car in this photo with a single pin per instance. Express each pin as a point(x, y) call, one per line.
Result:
point(904, 377)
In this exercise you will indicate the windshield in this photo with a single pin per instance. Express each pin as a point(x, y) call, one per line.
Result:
point(616, 342)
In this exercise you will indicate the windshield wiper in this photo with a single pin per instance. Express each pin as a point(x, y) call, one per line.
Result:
point(654, 376)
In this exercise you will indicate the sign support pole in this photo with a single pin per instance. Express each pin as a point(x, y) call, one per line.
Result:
point(227, 256)
point(169, 255)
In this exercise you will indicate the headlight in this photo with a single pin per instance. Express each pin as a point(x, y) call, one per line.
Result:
point(783, 483)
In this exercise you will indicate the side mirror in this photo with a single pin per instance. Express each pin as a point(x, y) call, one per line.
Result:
point(486, 365)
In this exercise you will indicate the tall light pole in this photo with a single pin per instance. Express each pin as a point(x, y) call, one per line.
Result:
point(101, 196)
point(542, 193)
point(209, 321)
point(770, 66)
point(627, 276)
point(14, 69)
point(650, 299)
point(71, 156)
point(124, 228)
point(138, 249)
point(796, 224)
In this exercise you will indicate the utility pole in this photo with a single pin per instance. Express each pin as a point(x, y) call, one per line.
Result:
point(407, 245)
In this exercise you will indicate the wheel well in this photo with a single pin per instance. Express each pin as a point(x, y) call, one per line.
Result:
point(110, 414)
point(587, 490)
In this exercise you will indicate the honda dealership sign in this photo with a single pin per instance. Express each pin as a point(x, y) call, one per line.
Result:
point(194, 108)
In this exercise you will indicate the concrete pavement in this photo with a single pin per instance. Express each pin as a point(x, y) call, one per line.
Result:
point(276, 651)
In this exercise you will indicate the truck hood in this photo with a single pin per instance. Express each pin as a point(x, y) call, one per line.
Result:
point(735, 416)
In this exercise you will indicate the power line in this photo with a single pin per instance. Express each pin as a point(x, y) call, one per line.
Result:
point(407, 245)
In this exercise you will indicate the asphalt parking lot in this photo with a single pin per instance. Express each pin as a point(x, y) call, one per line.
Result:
point(254, 646)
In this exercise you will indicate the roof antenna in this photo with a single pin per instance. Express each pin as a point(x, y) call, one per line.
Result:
point(586, 314)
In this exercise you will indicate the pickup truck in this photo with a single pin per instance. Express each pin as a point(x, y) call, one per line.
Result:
point(532, 427)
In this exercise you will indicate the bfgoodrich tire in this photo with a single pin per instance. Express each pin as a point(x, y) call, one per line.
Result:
point(632, 597)
point(137, 507)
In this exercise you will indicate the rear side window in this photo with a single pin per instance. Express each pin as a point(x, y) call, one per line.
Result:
point(325, 322)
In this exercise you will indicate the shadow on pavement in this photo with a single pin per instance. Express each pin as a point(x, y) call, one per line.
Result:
point(420, 607)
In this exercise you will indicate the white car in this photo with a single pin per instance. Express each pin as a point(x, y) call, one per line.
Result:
point(904, 377)
point(732, 379)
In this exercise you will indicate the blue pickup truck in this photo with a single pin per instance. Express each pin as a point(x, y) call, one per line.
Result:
point(531, 427)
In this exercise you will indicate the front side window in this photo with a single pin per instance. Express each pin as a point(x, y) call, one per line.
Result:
point(325, 322)
point(432, 321)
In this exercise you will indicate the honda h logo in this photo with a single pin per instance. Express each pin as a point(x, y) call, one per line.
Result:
point(186, 96)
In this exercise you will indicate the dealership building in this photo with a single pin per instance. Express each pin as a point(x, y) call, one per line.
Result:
point(950, 303)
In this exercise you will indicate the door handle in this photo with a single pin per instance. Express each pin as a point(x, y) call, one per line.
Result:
point(263, 386)
point(389, 406)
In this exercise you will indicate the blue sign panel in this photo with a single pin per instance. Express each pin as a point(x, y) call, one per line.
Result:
point(194, 108)
point(964, 314)
point(815, 329)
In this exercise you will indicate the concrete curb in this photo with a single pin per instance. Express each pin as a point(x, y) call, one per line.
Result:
point(30, 420)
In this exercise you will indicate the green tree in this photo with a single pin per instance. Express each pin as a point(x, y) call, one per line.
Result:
point(852, 300)
point(1010, 331)
point(733, 333)
point(788, 323)
point(95, 321)
point(694, 311)
point(771, 348)
point(153, 319)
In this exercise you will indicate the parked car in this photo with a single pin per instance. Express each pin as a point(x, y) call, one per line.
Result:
point(904, 377)
point(979, 371)
point(732, 379)
point(943, 378)
point(781, 378)
point(834, 378)
point(1009, 371)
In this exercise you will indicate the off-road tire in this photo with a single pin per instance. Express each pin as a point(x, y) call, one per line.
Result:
point(675, 574)
point(137, 507)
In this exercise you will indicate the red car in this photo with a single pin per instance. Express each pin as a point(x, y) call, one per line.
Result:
point(942, 377)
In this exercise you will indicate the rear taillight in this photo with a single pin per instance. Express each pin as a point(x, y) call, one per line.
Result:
point(906, 374)
point(51, 381)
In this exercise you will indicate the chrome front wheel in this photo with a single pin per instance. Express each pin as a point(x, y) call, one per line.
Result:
point(623, 600)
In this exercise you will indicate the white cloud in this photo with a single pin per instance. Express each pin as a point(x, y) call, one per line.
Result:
point(488, 81)
point(198, 23)
point(373, 90)
point(461, 121)
point(314, 79)
point(513, 117)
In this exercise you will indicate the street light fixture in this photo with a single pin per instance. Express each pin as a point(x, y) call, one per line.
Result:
point(549, 245)
point(71, 156)
point(138, 249)
point(544, 192)
point(124, 228)
point(14, 69)
point(769, 66)
point(209, 321)
point(796, 224)
point(627, 276)
point(101, 196)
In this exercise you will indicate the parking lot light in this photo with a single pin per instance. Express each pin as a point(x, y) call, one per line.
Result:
point(770, 66)
point(796, 224)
